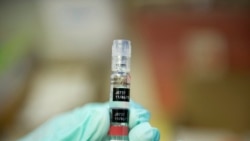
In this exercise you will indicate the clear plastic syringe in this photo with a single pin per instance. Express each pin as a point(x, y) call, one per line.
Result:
point(120, 91)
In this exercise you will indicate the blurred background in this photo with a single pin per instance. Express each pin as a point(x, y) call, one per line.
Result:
point(190, 63)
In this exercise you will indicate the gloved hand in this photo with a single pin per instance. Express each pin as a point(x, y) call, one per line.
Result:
point(91, 123)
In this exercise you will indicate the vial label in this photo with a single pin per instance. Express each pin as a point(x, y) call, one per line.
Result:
point(121, 94)
point(119, 115)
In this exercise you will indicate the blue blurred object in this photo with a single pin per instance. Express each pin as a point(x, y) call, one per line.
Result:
point(91, 123)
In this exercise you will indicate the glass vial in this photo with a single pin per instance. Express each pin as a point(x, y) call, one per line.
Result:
point(120, 91)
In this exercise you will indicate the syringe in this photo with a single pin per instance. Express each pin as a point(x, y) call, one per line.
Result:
point(120, 91)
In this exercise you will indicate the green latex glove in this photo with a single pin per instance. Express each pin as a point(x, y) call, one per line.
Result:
point(91, 123)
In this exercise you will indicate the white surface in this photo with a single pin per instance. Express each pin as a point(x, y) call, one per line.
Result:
point(197, 134)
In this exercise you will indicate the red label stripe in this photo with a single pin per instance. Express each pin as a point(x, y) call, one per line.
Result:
point(118, 131)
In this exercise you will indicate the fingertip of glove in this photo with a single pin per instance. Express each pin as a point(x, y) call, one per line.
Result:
point(138, 115)
point(95, 121)
point(101, 116)
point(144, 132)
point(156, 134)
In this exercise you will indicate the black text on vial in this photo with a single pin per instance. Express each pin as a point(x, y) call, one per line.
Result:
point(121, 94)
point(119, 115)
